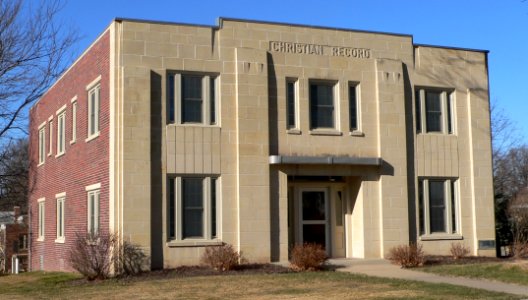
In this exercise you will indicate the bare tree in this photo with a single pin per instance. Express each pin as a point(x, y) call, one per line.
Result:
point(518, 214)
point(34, 45)
point(14, 166)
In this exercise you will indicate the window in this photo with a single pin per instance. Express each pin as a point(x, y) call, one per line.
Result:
point(438, 206)
point(192, 201)
point(60, 216)
point(61, 133)
point(74, 122)
point(93, 208)
point(50, 137)
point(93, 111)
point(353, 111)
point(42, 144)
point(291, 103)
point(321, 105)
point(192, 99)
point(41, 218)
point(434, 111)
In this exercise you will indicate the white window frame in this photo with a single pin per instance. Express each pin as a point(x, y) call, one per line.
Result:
point(74, 120)
point(447, 99)
point(42, 143)
point(94, 191)
point(450, 205)
point(94, 88)
point(60, 213)
point(207, 79)
point(357, 90)
point(61, 131)
point(295, 129)
point(207, 214)
point(336, 129)
point(50, 122)
point(41, 219)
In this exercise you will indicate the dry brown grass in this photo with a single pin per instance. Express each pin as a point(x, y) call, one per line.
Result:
point(311, 285)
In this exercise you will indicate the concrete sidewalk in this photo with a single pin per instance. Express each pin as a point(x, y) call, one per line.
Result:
point(382, 268)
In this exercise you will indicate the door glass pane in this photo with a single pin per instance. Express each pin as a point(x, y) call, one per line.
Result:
point(314, 233)
point(437, 206)
point(313, 206)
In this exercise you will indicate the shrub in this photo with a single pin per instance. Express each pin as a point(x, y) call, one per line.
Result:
point(99, 256)
point(221, 258)
point(308, 257)
point(458, 250)
point(131, 260)
point(520, 249)
point(407, 256)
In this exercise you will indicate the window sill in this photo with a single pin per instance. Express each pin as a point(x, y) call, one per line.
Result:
point(60, 241)
point(40, 164)
point(60, 154)
point(294, 131)
point(440, 236)
point(72, 142)
point(92, 137)
point(193, 243)
point(50, 154)
point(357, 133)
point(326, 132)
point(40, 239)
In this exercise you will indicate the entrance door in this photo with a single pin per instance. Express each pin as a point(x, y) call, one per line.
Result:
point(314, 217)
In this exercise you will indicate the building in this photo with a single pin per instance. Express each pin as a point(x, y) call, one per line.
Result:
point(13, 241)
point(263, 135)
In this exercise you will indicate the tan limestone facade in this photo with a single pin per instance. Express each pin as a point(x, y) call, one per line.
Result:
point(266, 135)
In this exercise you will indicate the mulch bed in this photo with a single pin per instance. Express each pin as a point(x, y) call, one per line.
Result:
point(449, 260)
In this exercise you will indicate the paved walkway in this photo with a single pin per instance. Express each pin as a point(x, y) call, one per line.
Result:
point(382, 268)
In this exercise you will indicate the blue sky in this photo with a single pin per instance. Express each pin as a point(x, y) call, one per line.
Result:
point(498, 26)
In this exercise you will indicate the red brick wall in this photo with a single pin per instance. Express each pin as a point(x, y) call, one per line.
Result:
point(13, 233)
point(84, 163)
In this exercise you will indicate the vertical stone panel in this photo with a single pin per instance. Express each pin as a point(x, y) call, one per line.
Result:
point(252, 155)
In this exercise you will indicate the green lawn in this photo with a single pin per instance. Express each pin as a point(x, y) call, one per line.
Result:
point(315, 285)
point(505, 272)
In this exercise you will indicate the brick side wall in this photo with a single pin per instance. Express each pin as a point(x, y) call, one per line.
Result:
point(84, 163)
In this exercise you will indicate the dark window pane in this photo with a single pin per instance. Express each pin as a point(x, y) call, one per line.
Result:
point(170, 101)
point(352, 102)
point(213, 207)
point(212, 101)
point(437, 206)
point(172, 209)
point(433, 106)
point(191, 99)
point(321, 106)
point(192, 196)
point(449, 115)
point(313, 206)
point(453, 207)
point(418, 111)
point(421, 207)
point(290, 99)
point(314, 233)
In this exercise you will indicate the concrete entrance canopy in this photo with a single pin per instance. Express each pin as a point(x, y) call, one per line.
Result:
point(325, 160)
